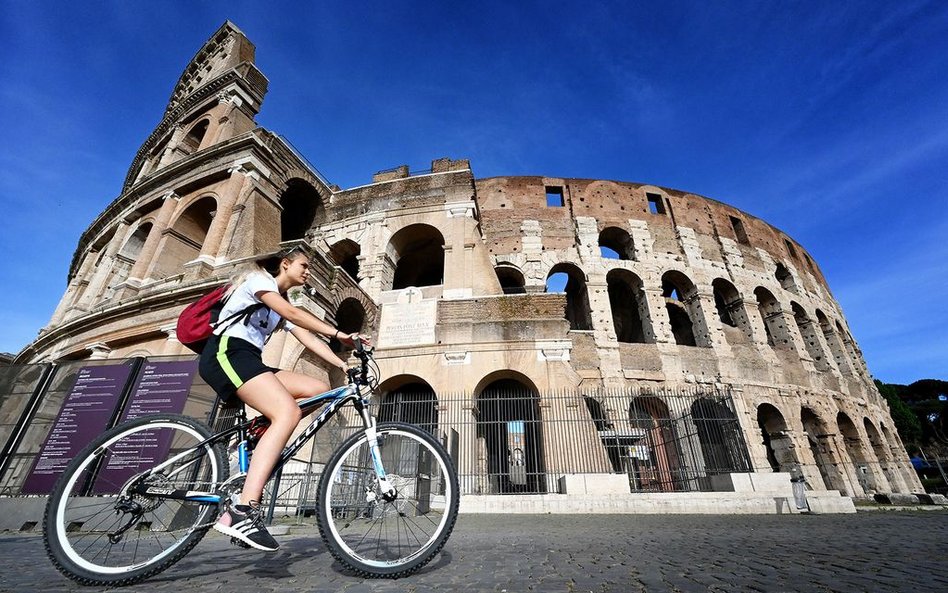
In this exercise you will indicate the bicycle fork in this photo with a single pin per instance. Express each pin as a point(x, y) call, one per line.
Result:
point(386, 489)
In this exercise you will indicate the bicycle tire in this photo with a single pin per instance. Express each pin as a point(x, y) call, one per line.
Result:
point(86, 504)
point(350, 508)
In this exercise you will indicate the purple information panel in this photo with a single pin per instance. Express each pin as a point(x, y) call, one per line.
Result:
point(85, 414)
point(162, 387)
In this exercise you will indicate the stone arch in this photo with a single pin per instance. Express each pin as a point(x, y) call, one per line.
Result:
point(684, 309)
point(510, 433)
point(345, 254)
point(408, 398)
point(848, 343)
point(811, 340)
point(302, 208)
point(578, 311)
point(879, 449)
point(719, 437)
point(834, 342)
point(776, 440)
point(184, 238)
point(785, 278)
point(417, 256)
point(658, 462)
point(630, 315)
point(731, 312)
point(191, 142)
point(350, 317)
point(616, 243)
point(857, 452)
point(512, 280)
point(370, 321)
point(772, 315)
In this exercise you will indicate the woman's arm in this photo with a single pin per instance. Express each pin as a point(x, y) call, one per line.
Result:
point(318, 347)
point(295, 315)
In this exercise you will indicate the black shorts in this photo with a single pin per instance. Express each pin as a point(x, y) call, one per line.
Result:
point(228, 362)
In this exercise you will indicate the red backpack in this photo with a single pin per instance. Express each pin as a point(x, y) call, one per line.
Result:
point(199, 319)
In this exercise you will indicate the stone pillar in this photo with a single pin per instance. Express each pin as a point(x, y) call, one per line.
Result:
point(661, 325)
point(841, 468)
point(458, 251)
point(103, 270)
point(143, 265)
point(236, 190)
point(171, 152)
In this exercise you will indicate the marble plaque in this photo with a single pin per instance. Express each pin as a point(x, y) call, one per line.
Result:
point(410, 321)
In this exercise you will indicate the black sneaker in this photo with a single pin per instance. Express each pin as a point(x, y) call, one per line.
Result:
point(246, 525)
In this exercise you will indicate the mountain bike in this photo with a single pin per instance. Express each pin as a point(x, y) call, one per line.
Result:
point(143, 494)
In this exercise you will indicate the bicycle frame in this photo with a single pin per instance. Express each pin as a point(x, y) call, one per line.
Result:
point(332, 400)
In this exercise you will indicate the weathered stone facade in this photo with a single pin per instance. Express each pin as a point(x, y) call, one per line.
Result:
point(450, 274)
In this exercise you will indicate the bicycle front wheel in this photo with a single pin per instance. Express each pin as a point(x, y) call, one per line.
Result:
point(376, 537)
point(97, 532)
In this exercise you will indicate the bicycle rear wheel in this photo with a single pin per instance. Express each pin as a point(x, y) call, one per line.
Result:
point(379, 538)
point(97, 533)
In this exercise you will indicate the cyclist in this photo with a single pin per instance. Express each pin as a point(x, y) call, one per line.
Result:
point(231, 363)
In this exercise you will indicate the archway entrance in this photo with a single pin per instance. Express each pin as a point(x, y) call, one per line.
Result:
point(773, 431)
point(508, 419)
point(407, 398)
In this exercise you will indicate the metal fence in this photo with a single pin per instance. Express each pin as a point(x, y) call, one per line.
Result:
point(510, 441)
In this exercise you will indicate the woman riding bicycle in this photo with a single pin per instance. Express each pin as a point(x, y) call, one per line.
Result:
point(231, 363)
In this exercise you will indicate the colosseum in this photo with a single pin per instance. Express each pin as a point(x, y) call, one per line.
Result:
point(569, 339)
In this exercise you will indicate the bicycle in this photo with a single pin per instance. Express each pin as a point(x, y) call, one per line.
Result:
point(143, 494)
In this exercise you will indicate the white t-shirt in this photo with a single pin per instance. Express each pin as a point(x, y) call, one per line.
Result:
point(262, 322)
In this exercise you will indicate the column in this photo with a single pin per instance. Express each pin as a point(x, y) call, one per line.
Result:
point(143, 264)
point(236, 190)
point(103, 269)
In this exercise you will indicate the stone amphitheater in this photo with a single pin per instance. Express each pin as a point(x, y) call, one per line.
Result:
point(552, 287)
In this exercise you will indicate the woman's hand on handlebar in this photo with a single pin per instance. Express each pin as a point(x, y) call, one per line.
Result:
point(350, 340)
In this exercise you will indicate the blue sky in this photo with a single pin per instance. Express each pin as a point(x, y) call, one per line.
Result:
point(828, 120)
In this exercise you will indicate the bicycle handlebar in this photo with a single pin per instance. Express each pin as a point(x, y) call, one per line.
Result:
point(360, 376)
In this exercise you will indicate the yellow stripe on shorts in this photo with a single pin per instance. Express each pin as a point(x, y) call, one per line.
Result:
point(225, 364)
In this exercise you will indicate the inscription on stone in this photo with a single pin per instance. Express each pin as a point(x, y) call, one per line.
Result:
point(408, 322)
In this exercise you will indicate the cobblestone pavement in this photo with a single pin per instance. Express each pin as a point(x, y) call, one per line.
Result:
point(875, 552)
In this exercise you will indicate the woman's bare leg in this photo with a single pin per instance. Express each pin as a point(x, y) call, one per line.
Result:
point(268, 395)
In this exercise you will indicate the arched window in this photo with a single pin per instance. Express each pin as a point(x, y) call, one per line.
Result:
point(183, 243)
point(192, 140)
point(418, 254)
point(684, 309)
point(570, 279)
point(509, 422)
point(616, 243)
point(731, 312)
point(810, 339)
point(772, 316)
point(350, 317)
point(785, 278)
point(302, 209)
point(511, 279)
point(835, 343)
point(345, 254)
point(126, 257)
point(629, 308)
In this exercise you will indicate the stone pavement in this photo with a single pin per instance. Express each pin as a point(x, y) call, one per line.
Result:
point(870, 551)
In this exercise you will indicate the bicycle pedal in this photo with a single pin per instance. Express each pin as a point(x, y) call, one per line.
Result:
point(239, 543)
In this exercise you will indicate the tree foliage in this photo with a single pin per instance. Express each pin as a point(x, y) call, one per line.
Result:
point(906, 421)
